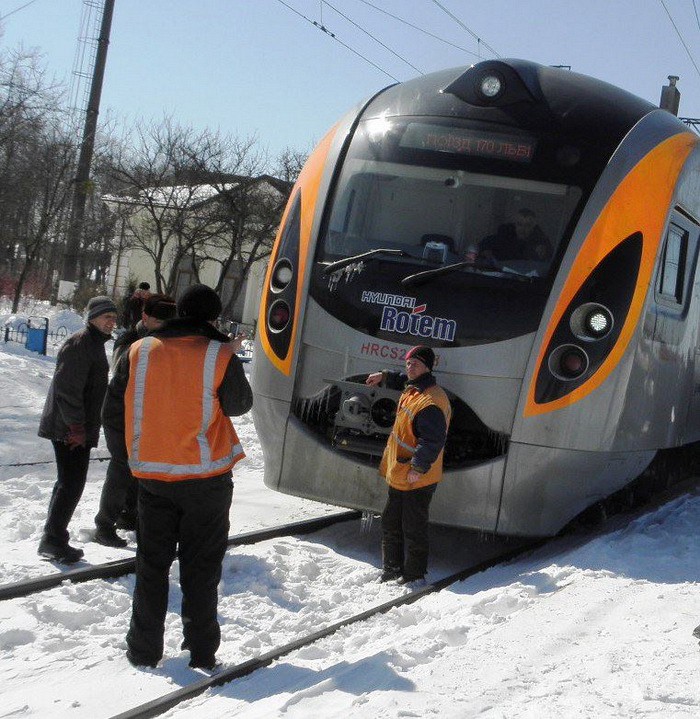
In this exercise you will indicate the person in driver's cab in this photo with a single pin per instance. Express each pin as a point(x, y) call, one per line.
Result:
point(522, 239)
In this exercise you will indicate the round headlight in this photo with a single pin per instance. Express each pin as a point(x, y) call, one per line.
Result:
point(591, 321)
point(278, 316)
point(598, 323)
point(568, 362)
point(282, 274)
point(491, 85)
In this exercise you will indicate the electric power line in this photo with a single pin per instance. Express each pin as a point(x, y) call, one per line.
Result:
point(17, 9)
point(680, 37)
point(420, 29)
point(697, 19)
point(369, 34)
point(324, 29)
point(464, 27)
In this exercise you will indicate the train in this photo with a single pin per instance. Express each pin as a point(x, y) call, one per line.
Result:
point(570, 372)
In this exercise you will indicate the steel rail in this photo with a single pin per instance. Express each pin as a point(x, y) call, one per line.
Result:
point(120, 567)
point(158, 706)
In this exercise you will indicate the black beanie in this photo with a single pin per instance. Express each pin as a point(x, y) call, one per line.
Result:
point(424, 354)
point(161, 307)
point(200, 303)
point(97, 306)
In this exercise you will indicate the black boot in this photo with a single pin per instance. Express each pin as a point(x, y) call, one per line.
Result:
point(108, 537)
point(59, 551)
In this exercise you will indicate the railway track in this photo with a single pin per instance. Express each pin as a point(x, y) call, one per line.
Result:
point(164, 703)
point(120, 567)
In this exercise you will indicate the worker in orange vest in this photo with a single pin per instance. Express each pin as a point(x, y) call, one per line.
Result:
point(412, 466)
point(170, 400)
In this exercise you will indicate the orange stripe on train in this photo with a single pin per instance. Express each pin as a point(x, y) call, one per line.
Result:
point(308, 184)
point(639, 204)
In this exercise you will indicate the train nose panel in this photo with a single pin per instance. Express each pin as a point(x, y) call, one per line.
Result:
point(353, 417)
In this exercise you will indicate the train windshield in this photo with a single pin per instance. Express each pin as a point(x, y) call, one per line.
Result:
point(425, 188)
point(466, 219)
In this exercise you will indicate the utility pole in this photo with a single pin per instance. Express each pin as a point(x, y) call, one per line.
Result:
point(66, 286)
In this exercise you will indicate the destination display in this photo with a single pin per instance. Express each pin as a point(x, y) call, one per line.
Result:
point(459, 141)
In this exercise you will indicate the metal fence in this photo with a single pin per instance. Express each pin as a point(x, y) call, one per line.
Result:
point(35, 336)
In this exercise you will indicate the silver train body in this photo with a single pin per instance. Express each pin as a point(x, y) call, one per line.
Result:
point(567, 375)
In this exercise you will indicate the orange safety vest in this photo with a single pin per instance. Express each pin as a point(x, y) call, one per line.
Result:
point(175, 428)
point(402, 442)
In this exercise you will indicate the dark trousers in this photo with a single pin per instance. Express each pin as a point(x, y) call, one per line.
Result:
point(72, 468)
point(190, 520)
point(405, 531)
point(118, 494)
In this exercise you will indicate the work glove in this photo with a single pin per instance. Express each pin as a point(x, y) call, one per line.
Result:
point(76, 436)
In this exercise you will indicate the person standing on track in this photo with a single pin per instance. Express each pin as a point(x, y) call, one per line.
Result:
point(412, 466)
point(171, 397)
point(71, 420)
point(119, 492)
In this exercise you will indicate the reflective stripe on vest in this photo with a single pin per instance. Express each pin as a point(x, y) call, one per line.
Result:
point(206, 466)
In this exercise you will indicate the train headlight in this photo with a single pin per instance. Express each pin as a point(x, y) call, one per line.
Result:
point(568, 362)
point(591, 321)
point(598, 323)
point(491, 86)
point(278, 316)
point(282, 274)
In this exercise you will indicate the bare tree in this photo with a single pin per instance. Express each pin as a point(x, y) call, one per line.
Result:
point(35, 167)
point(157, 191)
point(44, 194)
point(243, 214)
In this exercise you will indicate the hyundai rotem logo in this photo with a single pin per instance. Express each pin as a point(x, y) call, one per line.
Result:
point(418, 324)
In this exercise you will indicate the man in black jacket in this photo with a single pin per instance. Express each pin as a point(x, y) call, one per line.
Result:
point(185, 484)
point(71, 420)
point(118, 498)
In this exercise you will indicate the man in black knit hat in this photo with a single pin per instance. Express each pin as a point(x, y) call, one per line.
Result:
point(118, 498)
point(170, 399)
point(71, 420)
point(412, 465)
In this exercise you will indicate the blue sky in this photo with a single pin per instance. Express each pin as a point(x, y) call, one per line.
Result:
point(256, 67)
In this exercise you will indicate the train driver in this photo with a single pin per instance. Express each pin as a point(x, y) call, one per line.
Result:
point(522, 239)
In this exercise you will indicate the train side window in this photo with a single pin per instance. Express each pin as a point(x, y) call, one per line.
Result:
point(671, 280)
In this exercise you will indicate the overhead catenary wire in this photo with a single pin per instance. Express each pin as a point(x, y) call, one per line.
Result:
point(17, 9)
point(324, 29)
point(376, 39)
point(420, 29)
point(680, 37)
point(695, 9)
point(464, 27)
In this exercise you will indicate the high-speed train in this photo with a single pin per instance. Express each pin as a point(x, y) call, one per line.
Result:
point(569, 370)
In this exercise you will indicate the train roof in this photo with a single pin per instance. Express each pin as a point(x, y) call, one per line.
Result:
point(531, 96)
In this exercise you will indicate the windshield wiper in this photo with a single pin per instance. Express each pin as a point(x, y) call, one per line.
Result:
point(339, 264)
point(420, 278)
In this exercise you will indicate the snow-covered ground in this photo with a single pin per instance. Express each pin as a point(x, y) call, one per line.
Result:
point(584, 627)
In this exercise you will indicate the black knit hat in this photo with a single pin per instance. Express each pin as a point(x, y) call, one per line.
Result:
point(161, 307)
point(424, 354)
point(200, 303)
point(99, 305)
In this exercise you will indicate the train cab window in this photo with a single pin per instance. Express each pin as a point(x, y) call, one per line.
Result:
point(671, 281)
point(397, 206)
